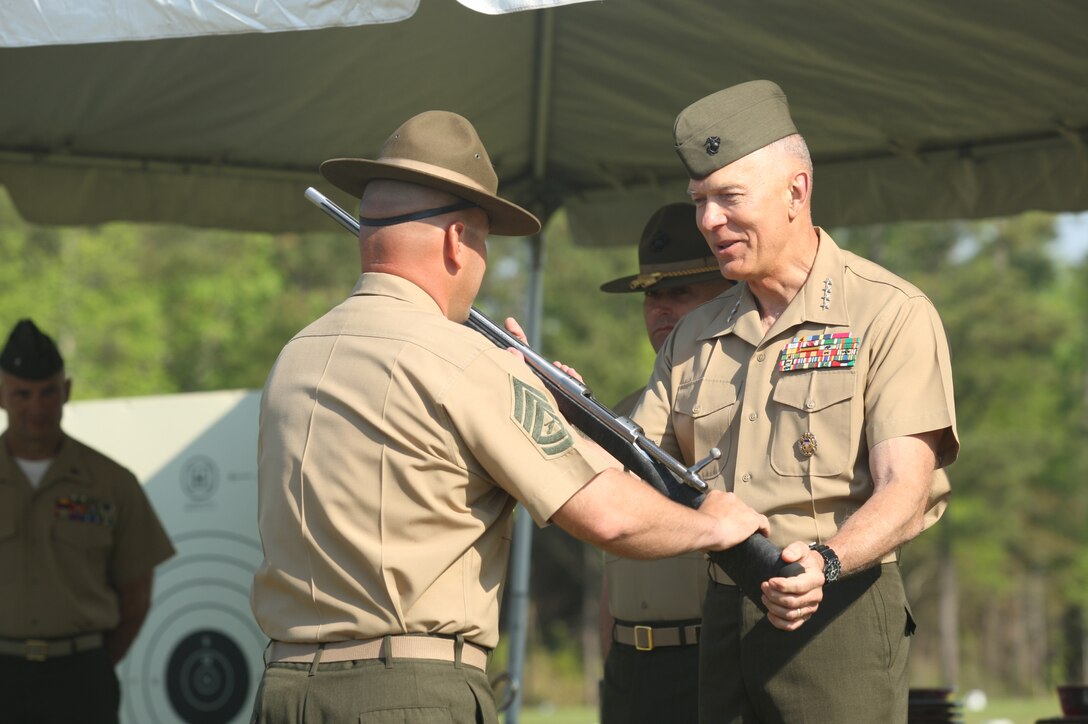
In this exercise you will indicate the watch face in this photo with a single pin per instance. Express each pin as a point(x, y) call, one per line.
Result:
point(832, 566)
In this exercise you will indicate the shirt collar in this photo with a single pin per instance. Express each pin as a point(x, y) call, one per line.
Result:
point(737, 315)
point(821, 300)
point(68, 464)
point(390, 285)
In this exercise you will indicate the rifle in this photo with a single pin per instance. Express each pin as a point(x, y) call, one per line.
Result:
point(748, 564)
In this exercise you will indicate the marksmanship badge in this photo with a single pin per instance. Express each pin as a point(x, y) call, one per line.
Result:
point(820, 350)
point(533, 411)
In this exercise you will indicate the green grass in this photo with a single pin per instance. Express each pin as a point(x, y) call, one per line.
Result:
point(558, 715)
point(1017, 711)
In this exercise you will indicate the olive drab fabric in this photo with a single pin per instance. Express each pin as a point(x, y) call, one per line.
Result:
point(404, 691)
point(903, 123)
point(715, 131)
point(752, 671)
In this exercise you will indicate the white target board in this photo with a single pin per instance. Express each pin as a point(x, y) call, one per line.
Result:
point(198, 658)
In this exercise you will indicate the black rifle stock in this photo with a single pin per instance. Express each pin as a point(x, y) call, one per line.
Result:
point(748, 564)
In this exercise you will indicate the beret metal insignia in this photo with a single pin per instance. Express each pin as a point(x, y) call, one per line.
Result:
point(536, 416)
point(807, 444)
point(712, 144)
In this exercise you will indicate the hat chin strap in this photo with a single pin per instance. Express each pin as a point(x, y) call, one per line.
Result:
point(416, 215)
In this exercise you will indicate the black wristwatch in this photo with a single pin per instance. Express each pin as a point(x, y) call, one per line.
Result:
point(832, 567)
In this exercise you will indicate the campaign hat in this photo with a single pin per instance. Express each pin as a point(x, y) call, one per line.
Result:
point(671, 252)
point(439, 150)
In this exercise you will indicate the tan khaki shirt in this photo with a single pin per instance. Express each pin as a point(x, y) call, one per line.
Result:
point(717, 382)
point(393, 444)
point(64, 546)
point(668, 589)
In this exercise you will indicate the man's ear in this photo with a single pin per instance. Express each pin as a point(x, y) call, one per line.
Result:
point(454, 245)
point(800, 187)
point(67, 389)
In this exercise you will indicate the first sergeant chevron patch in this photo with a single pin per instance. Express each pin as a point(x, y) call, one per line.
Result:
point(536, 416)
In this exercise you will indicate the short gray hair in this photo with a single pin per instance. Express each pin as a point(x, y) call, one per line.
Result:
point(794, 146)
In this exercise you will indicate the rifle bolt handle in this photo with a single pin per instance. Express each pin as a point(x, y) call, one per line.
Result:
point(715, 453)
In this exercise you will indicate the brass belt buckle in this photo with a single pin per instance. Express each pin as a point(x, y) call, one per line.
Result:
point(36, 650)
point(644, 633)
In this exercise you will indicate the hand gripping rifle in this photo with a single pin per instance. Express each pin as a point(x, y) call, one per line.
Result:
point(748, 564)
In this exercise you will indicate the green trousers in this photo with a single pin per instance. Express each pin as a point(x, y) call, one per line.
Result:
point(846, 665)
point(404, 691)
point(650, 687)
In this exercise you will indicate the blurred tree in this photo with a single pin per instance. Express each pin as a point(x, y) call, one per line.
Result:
point(1015, 323)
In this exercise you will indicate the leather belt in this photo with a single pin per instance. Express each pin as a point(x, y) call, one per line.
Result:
point(400, 647)
point(44, 649)
point(648, 638)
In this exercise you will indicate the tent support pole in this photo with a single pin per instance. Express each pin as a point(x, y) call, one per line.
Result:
point(520, 555)
point(522, 545)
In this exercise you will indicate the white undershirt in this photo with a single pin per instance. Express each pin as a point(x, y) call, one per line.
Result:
point(34, 470)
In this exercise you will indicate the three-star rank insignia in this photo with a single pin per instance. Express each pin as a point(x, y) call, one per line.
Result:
point(533, 411)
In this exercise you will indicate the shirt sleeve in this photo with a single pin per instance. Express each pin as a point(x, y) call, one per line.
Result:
point(909, 385)
point(140, 541)
point(513, 427)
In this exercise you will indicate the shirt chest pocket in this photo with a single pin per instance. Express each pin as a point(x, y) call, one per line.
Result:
point(81, 552)
point(83, 536)
point(812, 423)
point(704, 409)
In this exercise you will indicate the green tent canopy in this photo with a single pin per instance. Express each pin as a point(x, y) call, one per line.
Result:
point(913, 110)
